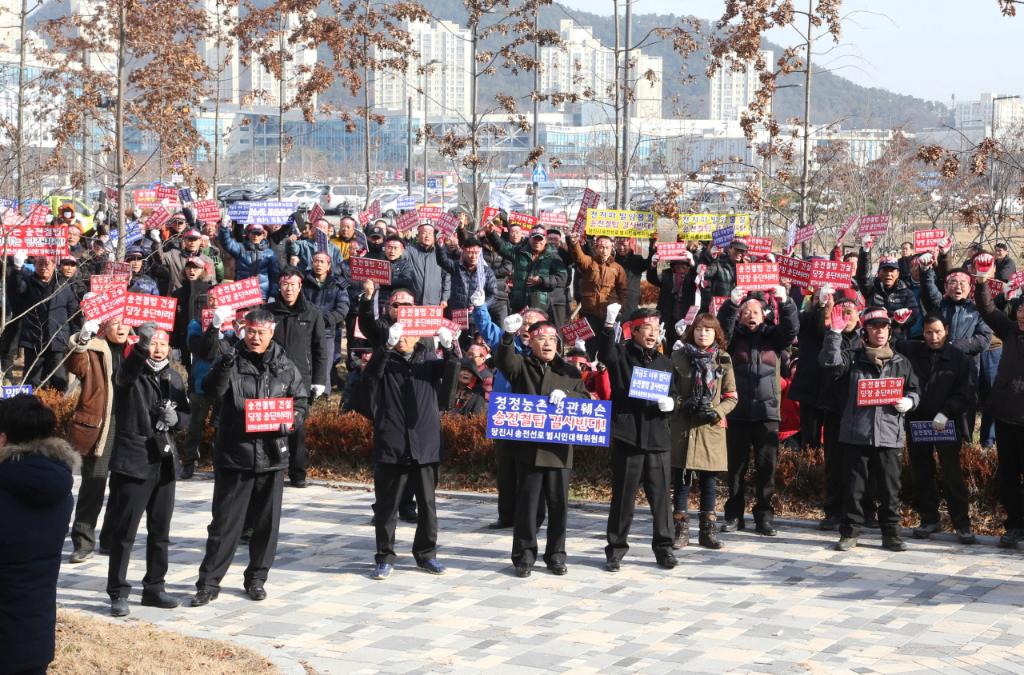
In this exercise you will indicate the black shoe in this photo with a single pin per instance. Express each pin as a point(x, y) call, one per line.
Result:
point(612, 566)
point(828, 523)
point(668, 561)
point(893, 542)
point(733, 525)
point(161, 600)
point(498, 525)
point(407, 516)
point(119, 607)
point(926, 530)
point(204, 597)
point(256, 591)
point(188, 469)
point(1011, 538)
point(846, 543)
point(80, 555)
point(558, 568)
point(766, 528)
point(523, 570)
point(299, 483)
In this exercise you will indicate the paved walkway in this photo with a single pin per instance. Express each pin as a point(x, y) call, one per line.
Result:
point(788, 604)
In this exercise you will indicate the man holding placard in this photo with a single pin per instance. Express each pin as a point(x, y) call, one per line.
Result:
point(603, 283)
point(948, 385)
point(879, 388)
point(641, 379)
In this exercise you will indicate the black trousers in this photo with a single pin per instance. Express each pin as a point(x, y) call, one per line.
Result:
point(508, 485)
point(864, 463)
point(596, 325)
point(389, 480)
point(87, 509)
point(632, 467)
point(926, 491)
point(763, 437)
point(41, 364)
point(811, 423)
point(200, 405)
point(129, 498)
point(558, 313)
point(1010, 450)
point(835, 473)
point(298, 458)
point(536, 484)
point(236, 493)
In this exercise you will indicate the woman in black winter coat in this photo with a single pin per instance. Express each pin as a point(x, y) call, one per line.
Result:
point(150, 403)
point(35, 500)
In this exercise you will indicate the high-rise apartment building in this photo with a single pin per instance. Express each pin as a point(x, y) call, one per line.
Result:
point(732, 91)
point(977, 114)
point(221, 55)
point(261, 87)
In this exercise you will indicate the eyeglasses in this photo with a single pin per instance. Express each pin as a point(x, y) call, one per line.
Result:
point(396, 305)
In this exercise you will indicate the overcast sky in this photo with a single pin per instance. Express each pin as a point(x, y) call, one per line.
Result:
point(927, 48)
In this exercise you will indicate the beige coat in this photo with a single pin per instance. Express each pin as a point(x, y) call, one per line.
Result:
point(701, 447)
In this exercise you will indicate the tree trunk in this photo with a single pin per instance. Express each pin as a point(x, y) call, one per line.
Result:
point(122, 39)
point(474, 123)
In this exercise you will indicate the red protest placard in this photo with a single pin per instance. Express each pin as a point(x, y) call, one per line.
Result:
point(157, 219)
point(207, 210)
point(409, 220)
point(101, 283)
point(37, 216)
point(238, 294)
point(590, 200)
point(268, 414)
point(553, 219)
point(577, 330)
point(206, 317)
point(847, 226)
point(672, 250)
point(451, 325)
point(141, 308)
point(757, 276)
point(106, 305)
point(112, 267)
point(1016, 281)
point(716, 304)
point(170, 193)
point(145, 199)
point(804, 234)
point(374, 209)
point(461, 318)
point(523, 219)
point(836, 273)
point(995, 287)
point(364, 218)
point(487, 216)
point(377, 271)
point(880, 391)
point(430, 212)
point(926, 240)
point(795, 271)
point(420, 321)
point(316, 213)
point(878, 224)
point(759, 245)
point(48, 240)
point(446, 223)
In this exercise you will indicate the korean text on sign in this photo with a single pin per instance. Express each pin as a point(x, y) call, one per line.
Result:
point(699, 226)
point(759, 245)
point(757, 276)
point(795, 271)
point(924, 432)
point(141, 308)
point(460, 317)
point(620, 223)
point(207, 210)
point(589, 201)
point(268, 414)
point(672, 250)
point(522, 417)
point(836, 273)
point(106, 305)
point(420, 321)
point(648, 384)
point(49, 240)
point(872, 225)
point(377, 271)
point(407, 221)
point(577, 330)
point(926, 240)
point(879, 391)
point(430, 212)
point(100, 283)
point(238, 294)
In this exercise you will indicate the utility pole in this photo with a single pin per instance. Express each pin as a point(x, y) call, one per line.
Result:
point(618, 108)
point(807, 121)
point(626, 91)
point(536, 103)
point(122, 39)
point(18, 142)
point(408, 151)
point(280, 109)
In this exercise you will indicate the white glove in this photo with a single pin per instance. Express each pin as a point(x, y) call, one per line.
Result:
point(737, 295)
point(220, 315)
point(780, 294)
point(926, 260)
point(580, 344)
point(100, 217)
point(939, 422)
point(556, 397)
point(612, 313)
point(903, 405)
point(136, 213)
point(154, 234)
point(317, 390)
point(681, 326)
point(478, 298)
point(824, 294)
point(666, 404)
point(445, 337)
point(49, 219)
point(394, 334)
point(512, 323)
point(677, 345)
point(661, 331)
point(89, 329)
point(19, 259)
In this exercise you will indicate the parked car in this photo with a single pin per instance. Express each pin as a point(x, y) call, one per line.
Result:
point(350, 198)
point(304, 199)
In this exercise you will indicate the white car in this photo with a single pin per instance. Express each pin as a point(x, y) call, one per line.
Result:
point(352, 197)
point(304, 199)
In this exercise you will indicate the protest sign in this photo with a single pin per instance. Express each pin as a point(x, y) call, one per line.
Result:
point(158, 218)
point(716, 304)
point(430, 212)
point(316, 213)
point(522, 417)
point(168, 193)
point(524, 219)
point(879, 391)
point(699, 226)
point(723, 236)
point(185, 196)
point(757, 276)
point(924, 432)
point(795, 271)
point(377, 271)
point(37, 216)
point(759, 246)
point(113, 267)
point(672, 250)
point(374, 209)
point(553, 219)
point(206, 317)
point(926, 240)
point(461, 318)
point(268, 414)
point(590, 200)
point(874, 225)
point(420, 321)
point(141, 308)
point(364, 218)
point(577, 330)
point(621, 223)
point(12, 390)
point(262, 213)
point(48, 240)
point(406, 203)
point(488, 215)
point(105, 306)
point(995, 287)
point(101, 283)
point(446, 223)
point(836, 273)
point(803, 234)
point(452, 326)
point(790, 238)
point(145, 199)
point(648, 384)
point(847, 226)
point(207, 210)
point(1016, 281)
point(238, 294)
point(409, 220)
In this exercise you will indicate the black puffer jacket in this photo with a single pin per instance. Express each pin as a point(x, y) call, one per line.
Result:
point(946, 378)
point(721, 275)
point(240, 375)
point(50, 307)
point(300, 331)
point(967, 331)
point(331, 297)
point(138, 394)
point(1006, 403)
point(756, 360)
point(899, 296)
point(634, 421)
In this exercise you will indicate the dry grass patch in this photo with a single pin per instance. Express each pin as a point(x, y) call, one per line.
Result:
point(88, 644)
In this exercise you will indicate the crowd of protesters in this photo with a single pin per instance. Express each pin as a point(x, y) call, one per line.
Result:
point(749, 370)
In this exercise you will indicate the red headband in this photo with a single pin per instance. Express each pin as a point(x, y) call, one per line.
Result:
point(652, 320)
point(162, 336)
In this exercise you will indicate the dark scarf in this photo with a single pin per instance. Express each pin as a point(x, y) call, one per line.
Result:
point(879, 355)
point(704, 374)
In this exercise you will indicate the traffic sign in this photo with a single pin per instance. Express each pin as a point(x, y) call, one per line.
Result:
point(540, 174)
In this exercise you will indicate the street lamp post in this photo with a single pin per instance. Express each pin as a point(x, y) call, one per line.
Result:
point(426, 100)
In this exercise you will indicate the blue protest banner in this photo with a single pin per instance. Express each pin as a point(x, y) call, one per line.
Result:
point(262, 213)
point(406, 203)
point(6, 203)
point(185, 195)
point(924, 432)
point(649, 385)
point(15, 389)
point(723, 236)
point(522, 417)
point(238, 211)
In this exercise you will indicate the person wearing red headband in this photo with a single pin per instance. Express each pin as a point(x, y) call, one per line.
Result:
point(150, 404)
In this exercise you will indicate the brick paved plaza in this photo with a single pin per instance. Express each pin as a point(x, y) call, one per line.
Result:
point(788, 604)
